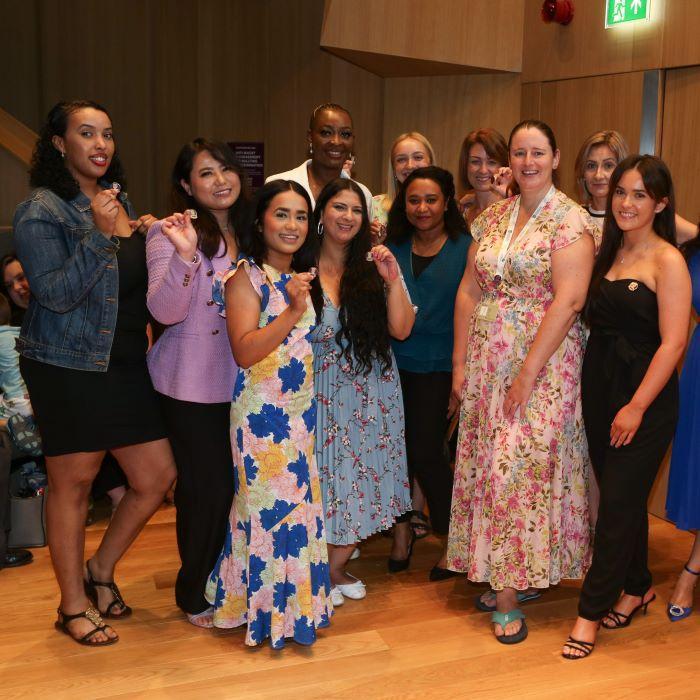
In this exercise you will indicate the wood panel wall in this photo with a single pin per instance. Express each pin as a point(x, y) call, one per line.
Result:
point(443, 35)
point(585, 47)
point(576, 108)
point(446, 108)
point(680, 140)
point(170, 70)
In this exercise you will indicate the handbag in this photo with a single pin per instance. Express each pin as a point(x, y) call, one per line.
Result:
point(28, 521)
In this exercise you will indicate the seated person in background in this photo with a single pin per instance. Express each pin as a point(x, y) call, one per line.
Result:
point(14, 393)
point(16, 287)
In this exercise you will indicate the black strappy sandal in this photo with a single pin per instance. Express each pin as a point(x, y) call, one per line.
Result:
point(620, 620)
point(91, 592)
point(586, 648)
point(92, 616)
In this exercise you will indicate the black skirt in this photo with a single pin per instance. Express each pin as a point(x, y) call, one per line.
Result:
point(79, 411)
point(85, 411)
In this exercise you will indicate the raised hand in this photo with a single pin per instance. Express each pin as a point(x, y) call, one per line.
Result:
point(386, 263)
point(502, 181)
point(378, 231)
point(105, 209)
point(143, 223)
point(298, 289)
point(178, 229)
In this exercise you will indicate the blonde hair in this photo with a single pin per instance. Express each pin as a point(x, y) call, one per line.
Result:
point(391, 178)
point(613, 140)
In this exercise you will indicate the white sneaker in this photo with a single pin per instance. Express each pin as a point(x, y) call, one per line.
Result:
point(356, 590)
point(337, 597)
point(355, 554)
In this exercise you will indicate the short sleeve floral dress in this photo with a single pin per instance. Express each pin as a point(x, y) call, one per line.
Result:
point(519, 508)
point(273, 571)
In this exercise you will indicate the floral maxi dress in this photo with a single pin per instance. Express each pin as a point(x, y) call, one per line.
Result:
point(273, 571)
point(360, 443)
point(519, 506)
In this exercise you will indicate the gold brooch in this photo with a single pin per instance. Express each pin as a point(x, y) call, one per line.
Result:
point(633, 286)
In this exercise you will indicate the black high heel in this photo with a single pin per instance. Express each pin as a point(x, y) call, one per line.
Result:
point(620, 620)
point(396, 565)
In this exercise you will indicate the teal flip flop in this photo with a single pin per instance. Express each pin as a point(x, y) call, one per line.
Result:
point(522, 596)
point(503, 619)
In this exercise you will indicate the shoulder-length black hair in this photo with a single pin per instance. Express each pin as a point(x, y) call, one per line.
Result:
point(208, 232)
point(48, 168)
point(400, 229)
point(364, 326)
point(659, 186)
point(253, 241)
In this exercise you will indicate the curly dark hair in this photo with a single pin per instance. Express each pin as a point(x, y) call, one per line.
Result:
point(207, 228)
point(400, 229)
point(659, 185)
point(364, 329)
point(253, 241)
point(48, 169)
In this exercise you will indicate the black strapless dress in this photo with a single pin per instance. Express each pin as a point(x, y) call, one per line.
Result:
point(624, 322)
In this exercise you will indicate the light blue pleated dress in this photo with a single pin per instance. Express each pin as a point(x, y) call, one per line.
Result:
point(360, 445)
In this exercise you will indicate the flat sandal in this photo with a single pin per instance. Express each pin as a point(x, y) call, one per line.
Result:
point(91, 585)
point(91, 615)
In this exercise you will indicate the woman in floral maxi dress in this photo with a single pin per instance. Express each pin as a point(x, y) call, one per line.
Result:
point(519, 509)
point(273, 571)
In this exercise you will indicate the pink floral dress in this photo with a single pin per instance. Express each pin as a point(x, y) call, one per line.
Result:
point(519, 506)
point(273, 570)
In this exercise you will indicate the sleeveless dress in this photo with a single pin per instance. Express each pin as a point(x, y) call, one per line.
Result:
point(79, 411)
point(360, 444)
point(273, 570)
point(624, 320)
point(683, 499)
point(519, 507)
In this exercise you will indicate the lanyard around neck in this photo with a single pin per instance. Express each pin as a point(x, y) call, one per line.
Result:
point(505, 246)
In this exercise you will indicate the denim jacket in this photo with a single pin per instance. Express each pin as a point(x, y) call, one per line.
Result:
point(74, 281)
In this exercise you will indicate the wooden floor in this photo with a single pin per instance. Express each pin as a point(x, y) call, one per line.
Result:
point(408, 639)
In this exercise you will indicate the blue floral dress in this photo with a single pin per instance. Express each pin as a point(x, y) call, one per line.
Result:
point(273, 571)
point(360, 446)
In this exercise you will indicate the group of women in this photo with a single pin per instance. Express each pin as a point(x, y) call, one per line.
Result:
point(332, 335)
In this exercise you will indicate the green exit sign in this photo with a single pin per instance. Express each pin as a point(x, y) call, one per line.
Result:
point(619, 12)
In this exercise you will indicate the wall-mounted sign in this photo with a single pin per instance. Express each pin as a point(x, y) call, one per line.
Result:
point(251, 155)
point(619, 12)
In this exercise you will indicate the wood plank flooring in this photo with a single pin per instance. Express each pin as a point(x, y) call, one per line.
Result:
point(408, 638)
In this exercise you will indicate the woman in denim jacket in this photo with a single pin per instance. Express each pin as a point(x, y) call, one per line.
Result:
point(83, 356)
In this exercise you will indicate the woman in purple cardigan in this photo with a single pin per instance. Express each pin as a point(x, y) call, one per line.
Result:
point(191, 364)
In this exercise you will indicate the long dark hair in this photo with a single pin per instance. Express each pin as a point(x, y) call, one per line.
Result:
point(399, 229)
point(253, 241)
point(659, 185)
point(364, 329)
point(48, 168)
point(208, 232)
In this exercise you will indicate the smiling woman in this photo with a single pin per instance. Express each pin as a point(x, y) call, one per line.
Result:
point(83, 355)
point(330, 140)
point(184, 252)
point(522, 524)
